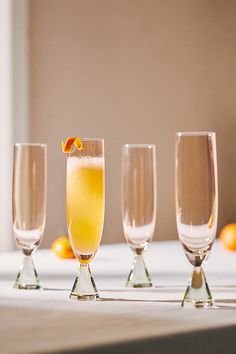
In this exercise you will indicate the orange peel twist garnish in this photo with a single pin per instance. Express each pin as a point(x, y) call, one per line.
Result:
point(68, 146)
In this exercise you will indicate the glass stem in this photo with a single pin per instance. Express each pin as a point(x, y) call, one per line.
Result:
point(84, 287)
point(139, 276)
point(198, 293)
point(27, 278)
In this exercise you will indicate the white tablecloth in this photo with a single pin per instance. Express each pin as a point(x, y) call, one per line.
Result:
point(124, 320)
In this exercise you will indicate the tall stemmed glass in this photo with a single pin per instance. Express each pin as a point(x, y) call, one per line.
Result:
point(85, 203)
point(139, 206)
point(196, 207)
point(29, 207)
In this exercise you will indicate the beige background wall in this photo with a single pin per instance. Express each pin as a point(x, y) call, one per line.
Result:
point(133, 71)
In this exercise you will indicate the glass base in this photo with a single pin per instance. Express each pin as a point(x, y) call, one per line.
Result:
point(27, 286)
point(76, 296)
point(27, 278)
point(139, 276)
point(198, 294)
point(198, 304)
point(84, 287)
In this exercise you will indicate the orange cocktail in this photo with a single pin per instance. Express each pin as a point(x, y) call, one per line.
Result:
point(85, 204)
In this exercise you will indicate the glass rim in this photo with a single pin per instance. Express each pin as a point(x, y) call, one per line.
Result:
point(92, 139)
point(200, 133)
point(149, 146)
point(30, 144)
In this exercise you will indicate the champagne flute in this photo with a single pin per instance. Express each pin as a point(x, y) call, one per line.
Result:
point(196, 190)
point(139, 206)
point(29, 207)
point(85, 204)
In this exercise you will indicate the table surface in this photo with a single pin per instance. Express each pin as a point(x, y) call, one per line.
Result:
point(124, 320)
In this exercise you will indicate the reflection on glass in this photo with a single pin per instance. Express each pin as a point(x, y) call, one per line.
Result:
point(196, 207)
point(139, 206)
point(29, 207)
point(85, 203)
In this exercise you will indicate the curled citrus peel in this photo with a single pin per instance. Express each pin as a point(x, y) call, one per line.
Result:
point(68, 146)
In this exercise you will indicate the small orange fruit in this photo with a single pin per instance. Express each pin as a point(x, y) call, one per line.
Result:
point(61, 248)
point(228, 236)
